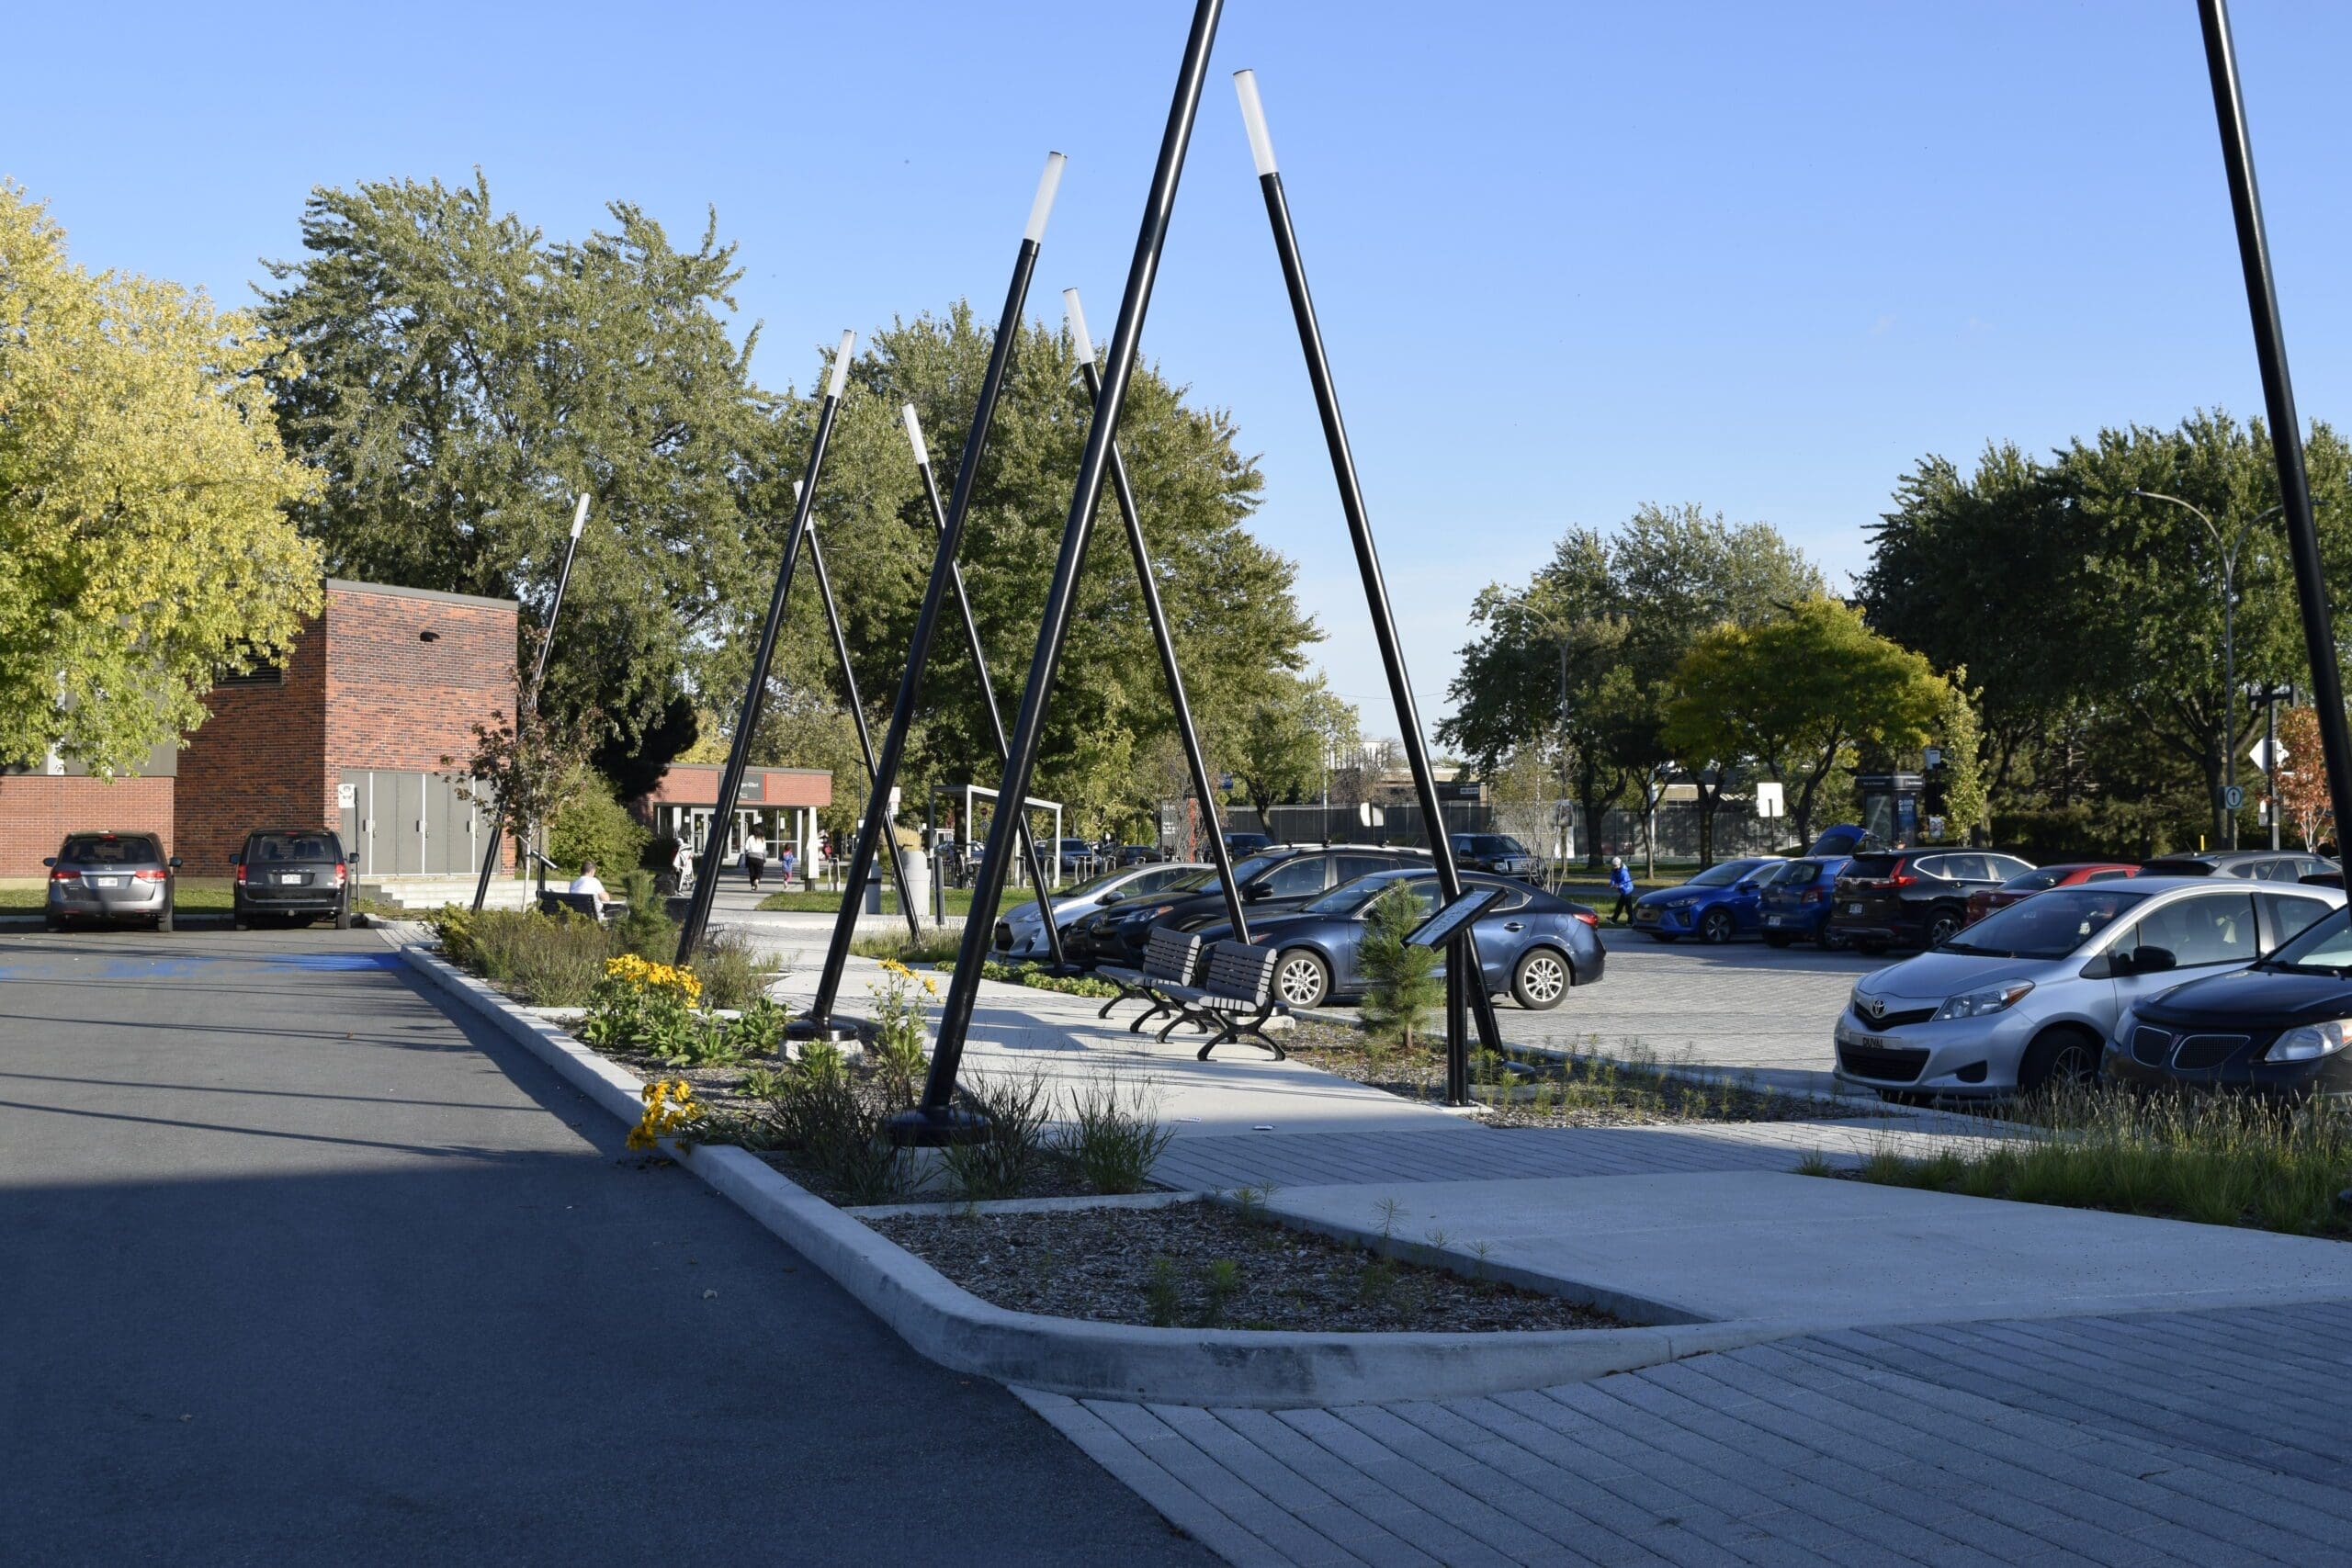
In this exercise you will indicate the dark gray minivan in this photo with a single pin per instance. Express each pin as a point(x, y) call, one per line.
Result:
point(293, 874)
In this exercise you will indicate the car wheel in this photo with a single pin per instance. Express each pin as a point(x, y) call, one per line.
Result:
point(1716, 927)
point(1832, 941)
point(164, 920)
point(1301, 979)
point(343, 915)
point(1776, 939)
point(2059, 1058)
point(1942, 926)
point(52, 922)
point(1541, 978)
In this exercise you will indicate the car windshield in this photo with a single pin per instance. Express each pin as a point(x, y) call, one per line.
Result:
point(289, 846)
point(105, 849)
point(2325, 949)
point(2047, 925)
point(1724, 875)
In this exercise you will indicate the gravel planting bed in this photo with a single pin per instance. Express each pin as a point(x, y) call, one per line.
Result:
point(1198, 1265)
point(1583, 1091)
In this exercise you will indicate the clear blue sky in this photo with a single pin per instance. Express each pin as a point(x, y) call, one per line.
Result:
point(1571, 257)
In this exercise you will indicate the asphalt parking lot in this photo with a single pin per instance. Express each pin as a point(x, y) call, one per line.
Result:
point(301, 1269)
point(1742, 1005)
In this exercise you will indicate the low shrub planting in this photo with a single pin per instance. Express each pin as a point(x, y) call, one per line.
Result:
point(2216, 1160)
point(1113, 1138)
point(644, 927)
point(732, 972)
point(1003, 1164)
point(547, 959)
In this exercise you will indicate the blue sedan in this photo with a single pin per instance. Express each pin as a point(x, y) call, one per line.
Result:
point(1530, 943)
point(1717, 905)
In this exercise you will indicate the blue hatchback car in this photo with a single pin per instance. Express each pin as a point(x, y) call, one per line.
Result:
point(1796, 904)
point(1717, 905)
point(1531, 943)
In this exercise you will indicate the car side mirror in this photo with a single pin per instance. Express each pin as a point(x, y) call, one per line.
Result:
point(49, 860)
point(174, 863)
point(2153, 960)
point(1255, 891)
point(236, 860)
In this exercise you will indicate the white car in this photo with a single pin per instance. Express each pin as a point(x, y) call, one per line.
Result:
point(2030, 994)
point(1022, 934)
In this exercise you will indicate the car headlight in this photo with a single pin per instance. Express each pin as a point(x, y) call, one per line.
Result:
point(1976, 1004)
point(2311, 1041)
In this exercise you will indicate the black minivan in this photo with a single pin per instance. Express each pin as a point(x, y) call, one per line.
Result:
point(292, 874)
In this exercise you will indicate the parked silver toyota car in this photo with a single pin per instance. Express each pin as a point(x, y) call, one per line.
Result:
point(1022, 934)
point(2031, 993)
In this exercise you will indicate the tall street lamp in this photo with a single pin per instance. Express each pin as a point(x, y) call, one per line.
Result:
point(2228, 549)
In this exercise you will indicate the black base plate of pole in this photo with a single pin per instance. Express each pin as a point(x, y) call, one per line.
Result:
point(926, 1128)
point(1066, 971)
point(819, 1029)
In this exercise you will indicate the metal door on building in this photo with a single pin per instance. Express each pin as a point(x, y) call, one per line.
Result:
point(401, 822)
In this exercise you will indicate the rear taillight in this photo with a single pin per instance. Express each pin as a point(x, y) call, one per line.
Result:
point(145, 874)
point(340, 872)
point(1589, 917)
point(64, 874)
point(240, 874)
point(1814, 894)
point(1902, 878)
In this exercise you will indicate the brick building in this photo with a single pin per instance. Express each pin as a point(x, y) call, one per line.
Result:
point(349, 734)
point(781, 804)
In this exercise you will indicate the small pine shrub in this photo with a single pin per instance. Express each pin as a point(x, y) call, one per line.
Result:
point(1402, 988)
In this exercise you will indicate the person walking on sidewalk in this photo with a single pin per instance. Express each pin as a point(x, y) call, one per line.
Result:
point(755, 859)
point(786, 862)
point(1620, 878)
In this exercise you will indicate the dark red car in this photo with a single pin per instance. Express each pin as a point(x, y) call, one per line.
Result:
point(1984, 902)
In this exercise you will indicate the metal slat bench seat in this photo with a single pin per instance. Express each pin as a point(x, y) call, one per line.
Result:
point(1235, 998)
point(1170, 958)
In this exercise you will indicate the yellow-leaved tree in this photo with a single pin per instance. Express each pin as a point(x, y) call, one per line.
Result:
point(144, 541)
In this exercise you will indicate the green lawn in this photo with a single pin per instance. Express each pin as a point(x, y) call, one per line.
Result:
point(26, 895)
point(821, 902)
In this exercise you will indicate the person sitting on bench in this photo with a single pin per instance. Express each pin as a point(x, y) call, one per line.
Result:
point(587, 882)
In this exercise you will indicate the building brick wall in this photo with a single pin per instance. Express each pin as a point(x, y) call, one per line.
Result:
point(37, 810)
point(253, 762)
point(385, 678)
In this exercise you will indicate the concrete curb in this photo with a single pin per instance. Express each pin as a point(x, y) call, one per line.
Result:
point(1101, 1360)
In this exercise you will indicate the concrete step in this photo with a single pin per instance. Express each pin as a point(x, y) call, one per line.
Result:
point(432, 892)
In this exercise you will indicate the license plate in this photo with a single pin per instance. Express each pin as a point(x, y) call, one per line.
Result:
point(106, 882)
point(1853, 908)
point(1771, 919)
point(1861, 1041)
point(290, 878)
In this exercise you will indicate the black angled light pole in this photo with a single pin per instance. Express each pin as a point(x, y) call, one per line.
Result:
point(1462, 963)
point(857, 711)
point(1158, 615)
point(937, 1120)
point(818, 1021)
point(530, 697)
point(730, 782)
point(988, 686)
point(2278, 399)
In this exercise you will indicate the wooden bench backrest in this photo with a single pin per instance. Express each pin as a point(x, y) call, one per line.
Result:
point(1241, 969)
point(1172, 955)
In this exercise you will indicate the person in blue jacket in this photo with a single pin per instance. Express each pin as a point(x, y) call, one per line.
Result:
point(1622, 880)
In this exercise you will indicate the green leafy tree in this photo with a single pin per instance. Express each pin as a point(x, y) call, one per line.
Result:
point(1960, 776)
point(1623, 609)
point(454, 379)
point(595, 824)
point(1402, 988)
point(1794, 695)
point(1240, 632)
point(144, 544)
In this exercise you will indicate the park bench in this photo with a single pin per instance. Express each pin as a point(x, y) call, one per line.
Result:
point(1236, 997)
point(1170, 958)
point(554, 903)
